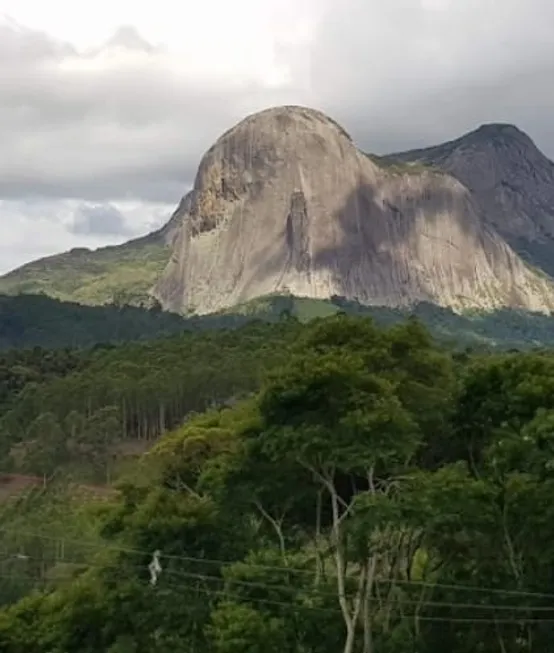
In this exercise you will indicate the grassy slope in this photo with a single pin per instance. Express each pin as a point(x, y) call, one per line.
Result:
point(122, 272)
point(401, 167)
point(504, 328)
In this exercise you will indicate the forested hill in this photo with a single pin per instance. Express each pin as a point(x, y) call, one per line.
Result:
point(306, 488)
point(40, 321)
point(37, 320)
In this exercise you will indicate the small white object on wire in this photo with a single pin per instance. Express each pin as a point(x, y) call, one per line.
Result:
point(155, 567)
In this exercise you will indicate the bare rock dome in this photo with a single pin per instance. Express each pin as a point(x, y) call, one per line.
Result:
point(284, 201)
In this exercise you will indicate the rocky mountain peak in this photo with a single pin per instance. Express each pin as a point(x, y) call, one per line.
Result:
point(504, 142)
point(260, 148)
point(498, 130)
point(510, 150)
point(285, 202)
point(512, 180)
point(286, 117)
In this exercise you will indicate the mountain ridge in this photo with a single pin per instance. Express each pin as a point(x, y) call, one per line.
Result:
point(442, 209)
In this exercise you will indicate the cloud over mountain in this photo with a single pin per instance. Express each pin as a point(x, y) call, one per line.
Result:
point(100, 220)
point(128, 119)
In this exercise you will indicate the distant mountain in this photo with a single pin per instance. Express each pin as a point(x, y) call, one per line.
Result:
point(129, 38)
point(512, 180)
point(285, 203)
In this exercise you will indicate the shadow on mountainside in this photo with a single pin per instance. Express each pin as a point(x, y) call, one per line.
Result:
point(375, 243)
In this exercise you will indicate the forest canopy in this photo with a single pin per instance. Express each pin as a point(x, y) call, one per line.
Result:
point(334, 486)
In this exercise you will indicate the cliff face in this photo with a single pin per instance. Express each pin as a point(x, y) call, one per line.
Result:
point(285, 202)
point(512, 181)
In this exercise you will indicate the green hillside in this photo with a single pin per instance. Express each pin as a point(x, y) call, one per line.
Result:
point(504, 328)
point(121, 273)
point(37, 320)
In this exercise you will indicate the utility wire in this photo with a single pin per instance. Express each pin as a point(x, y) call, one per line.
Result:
point(288, 570)
point(314, 593)
point(296, 606)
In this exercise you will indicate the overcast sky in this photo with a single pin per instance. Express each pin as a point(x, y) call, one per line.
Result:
point(105, 113)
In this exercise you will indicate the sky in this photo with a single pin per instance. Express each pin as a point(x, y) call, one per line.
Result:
point(105, 113)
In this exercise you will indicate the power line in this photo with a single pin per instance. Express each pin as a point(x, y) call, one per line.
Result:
point(288, 570)
point(297, 606)
point(314, 594)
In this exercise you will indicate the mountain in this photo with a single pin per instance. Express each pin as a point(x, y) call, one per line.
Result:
point(285, 202)
point(512, 180)
point(128, 38)
point(117, 274)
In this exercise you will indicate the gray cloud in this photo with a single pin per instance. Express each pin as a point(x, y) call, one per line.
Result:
point(396, 73)
point(407, 73)
point(99, 220)
point(131, 128)
point(23, 48)
point(33, 228)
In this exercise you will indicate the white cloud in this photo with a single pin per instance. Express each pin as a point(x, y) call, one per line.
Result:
point(127, 120)
point(33, 229)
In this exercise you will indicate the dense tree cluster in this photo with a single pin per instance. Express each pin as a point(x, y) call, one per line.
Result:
point(19, 368)
point(367, 491)
point(40, 321)
point(93, 401)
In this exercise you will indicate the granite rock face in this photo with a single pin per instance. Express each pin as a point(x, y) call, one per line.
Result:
point(284, 201)
point(512, 180)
